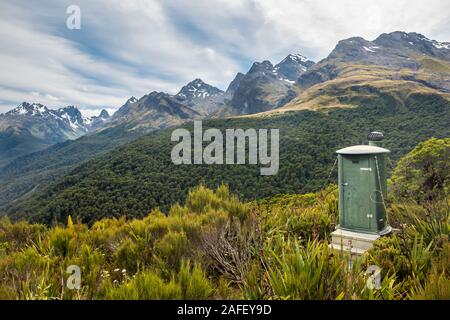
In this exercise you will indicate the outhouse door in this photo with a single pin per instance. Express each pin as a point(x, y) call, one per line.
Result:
point(357, 178)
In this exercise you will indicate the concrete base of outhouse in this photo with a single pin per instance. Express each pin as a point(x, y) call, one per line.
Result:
point(354, 242)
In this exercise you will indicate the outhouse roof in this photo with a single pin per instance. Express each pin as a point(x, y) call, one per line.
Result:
point(362, 150)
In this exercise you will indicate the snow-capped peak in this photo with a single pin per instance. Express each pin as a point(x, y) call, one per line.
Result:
point(104, 114)
point(69, 117)
point(131, 100)
point(436, 44)
point(33, 109)
point(72, 116)
point(297, 57)
point(440, 45)
point(96, 121)
point(291, 67)
point(198, 89)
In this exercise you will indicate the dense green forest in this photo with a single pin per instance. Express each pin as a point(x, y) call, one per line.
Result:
point(132, 180)
point(40, 168)
point(217, 247)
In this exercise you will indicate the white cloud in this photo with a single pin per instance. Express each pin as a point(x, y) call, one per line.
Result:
point(133, 47)
point(320, 24)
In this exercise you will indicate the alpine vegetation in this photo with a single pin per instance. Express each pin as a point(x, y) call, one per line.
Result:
point(186, 152)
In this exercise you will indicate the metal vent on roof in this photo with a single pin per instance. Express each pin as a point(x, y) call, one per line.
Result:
point(375, 136)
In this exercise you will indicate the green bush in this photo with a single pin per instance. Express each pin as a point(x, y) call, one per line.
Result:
point(171, 248)
point(128, 255)
point(189, 283)
point(61, 242)
point(193, 282)
point(424, 173)
point(311, 272)
point(147, 285)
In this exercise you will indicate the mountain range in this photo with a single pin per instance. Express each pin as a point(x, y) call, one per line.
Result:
point(390, 77)
point(397, 63)
point(32, 127)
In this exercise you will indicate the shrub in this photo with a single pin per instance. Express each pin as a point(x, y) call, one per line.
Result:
point(202, 200)
point(171, 248)
point(388, 255)
point(189, 283)
point(193, 282)
point(61, 242)
point(128, 256)
point(309, 272)
point(147, 285)
point(20, 234)
point(424, 173)
point(437, 287)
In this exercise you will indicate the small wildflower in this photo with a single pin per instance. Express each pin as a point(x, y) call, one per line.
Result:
point(105, 274)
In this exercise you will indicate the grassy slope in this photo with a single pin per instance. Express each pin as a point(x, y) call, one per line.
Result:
point(367, 80)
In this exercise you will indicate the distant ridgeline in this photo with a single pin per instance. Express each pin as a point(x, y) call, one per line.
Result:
point(133, 179)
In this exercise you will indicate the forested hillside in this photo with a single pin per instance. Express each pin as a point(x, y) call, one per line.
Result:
point(132, 180)
point(36, 170)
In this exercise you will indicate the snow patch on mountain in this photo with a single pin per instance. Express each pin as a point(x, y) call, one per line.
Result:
point(296, 57)
point(34, 109)
point(69, 116)
point(441, 45)
point(132, 100)
point(198, 89)
point(291, 67)
point(436, 44)
point(371, 48)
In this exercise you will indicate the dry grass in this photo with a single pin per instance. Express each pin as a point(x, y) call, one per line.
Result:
point(434, 65)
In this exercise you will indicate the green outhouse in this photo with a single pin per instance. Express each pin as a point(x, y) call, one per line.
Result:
point(362, 187)
point(362, 196)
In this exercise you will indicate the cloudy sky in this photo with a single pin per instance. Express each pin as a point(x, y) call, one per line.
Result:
point(133, 47)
